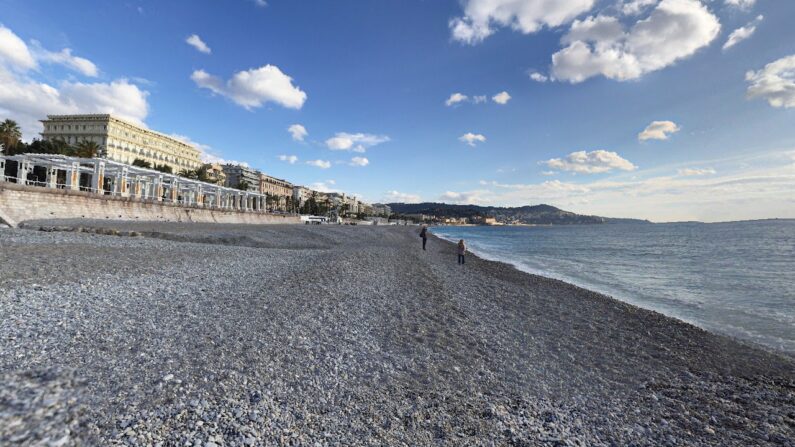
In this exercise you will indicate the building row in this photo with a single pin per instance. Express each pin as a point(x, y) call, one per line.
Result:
point(125, 142)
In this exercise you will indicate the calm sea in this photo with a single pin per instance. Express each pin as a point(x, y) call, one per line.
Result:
point(733, 278)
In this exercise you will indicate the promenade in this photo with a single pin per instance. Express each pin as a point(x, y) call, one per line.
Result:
point(210, 335)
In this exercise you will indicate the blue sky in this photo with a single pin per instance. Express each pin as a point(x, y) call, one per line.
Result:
point(370, 83)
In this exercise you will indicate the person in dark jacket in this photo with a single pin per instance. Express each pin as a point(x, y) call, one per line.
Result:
point(424, 235)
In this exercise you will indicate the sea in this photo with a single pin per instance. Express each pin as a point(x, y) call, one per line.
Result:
point(735, 278)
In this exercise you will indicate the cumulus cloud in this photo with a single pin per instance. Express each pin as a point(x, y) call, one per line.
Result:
point(472, 138)
point(750, 186)
point(208, 153)
point(455, 98)
point(635, 7)
point(255, 87)
point(298, 132)
point(359, 161)
point(14, 52)
point(482, 17)
point(401, 197)
point(658, 130)
point(463, 198)
point(600, 45)
point(775, 83)
point(689, 172)
point(742, 4)
point(196, 42)
point(538, 77)
point(594, 162)
point(18, 56)
point(501, 98)
point(27, 101)
point(356, 142)
point(292, 159)
point(742, 33)
point(322, 164)
point(67, 59)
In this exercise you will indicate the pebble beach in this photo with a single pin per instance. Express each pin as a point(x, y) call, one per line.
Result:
point(166, 334)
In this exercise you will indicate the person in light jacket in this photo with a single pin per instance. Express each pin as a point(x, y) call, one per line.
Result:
point(462, 250)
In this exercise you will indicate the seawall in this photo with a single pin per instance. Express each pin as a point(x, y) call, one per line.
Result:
point(20, 203)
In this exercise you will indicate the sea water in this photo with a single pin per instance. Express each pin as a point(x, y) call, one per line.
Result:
point(733, 278)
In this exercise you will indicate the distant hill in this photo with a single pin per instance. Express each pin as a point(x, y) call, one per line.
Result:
point(535, 214)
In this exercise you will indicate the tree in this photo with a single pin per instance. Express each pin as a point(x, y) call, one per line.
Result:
point(188, 173)
point(87, 149)
point(163, 168)
point(243, 185)
point(142, 163)
point(10, 134)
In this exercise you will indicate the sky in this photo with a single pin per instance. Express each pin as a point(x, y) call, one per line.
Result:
point(666, 110)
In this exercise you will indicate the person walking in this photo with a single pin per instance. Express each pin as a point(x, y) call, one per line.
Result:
point(462, 249)
point(424, 235)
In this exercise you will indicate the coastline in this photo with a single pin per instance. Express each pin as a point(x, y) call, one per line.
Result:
point(354, 331)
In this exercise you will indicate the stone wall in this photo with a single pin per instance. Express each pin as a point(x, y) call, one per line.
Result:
point(20, 203)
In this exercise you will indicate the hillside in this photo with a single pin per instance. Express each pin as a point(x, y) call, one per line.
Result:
point(535, 214)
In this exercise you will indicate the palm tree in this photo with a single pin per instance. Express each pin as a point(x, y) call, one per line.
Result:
point(10, 134)
point(87, 149)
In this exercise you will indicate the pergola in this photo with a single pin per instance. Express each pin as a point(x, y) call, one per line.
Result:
point(106, 177)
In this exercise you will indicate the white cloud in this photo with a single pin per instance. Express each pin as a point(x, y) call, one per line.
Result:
point(750, 186)
point(635, 7)
point(322, 164)
point(255, 87)
point(479, 99)
point(658, 130)
point(327, 186)
point(401, 197)
point(298, 132)
point(594, 162)
point(742, 4)
point(208, 154)
point(455, 98)
point(600, 45)
point(196, 42)
point(292, 159)
point(774, 83)
point(16, 55)
point(501, 98)
point(538, 77)
point(261, 3)
point(472, 138)
point(188, 140)
point(463, 198)
point(742, 33)
point(14, 52)
point(356, 142)
point(359, 161)
point(67, 59)
point(27, 101)
point(482, 17)
point(689, 172)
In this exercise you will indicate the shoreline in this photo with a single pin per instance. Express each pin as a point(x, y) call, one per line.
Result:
point(224, 333)
point(624, 298)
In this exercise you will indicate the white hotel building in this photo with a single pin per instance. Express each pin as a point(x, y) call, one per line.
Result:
point(122, 141)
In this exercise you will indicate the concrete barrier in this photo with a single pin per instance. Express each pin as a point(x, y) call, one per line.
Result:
point(20, 203)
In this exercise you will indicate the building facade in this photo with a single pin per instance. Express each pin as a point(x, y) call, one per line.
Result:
point(280, 190)
point(122, 141)
point(381, 209)
point(236, 174)
point(301, 194)
point(215, 173)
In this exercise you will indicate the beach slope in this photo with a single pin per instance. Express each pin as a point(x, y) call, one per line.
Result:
point(199, 334)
